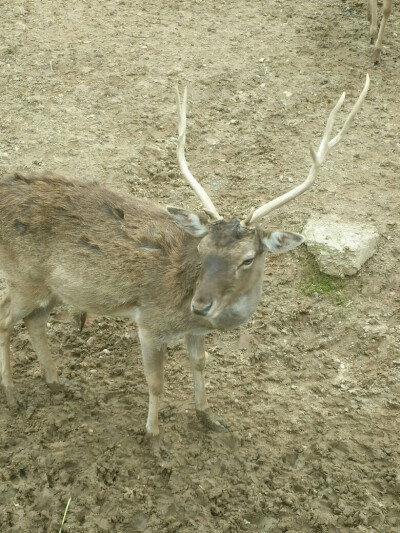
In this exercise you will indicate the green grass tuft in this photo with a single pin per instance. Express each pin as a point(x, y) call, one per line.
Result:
point(65, 514)
point(321, 284)
point(316, 282)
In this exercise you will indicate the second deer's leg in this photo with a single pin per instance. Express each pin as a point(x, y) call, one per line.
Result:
point(197, 357)
point(372, 17)
point(386, 10)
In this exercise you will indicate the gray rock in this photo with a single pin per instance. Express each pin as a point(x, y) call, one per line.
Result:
point(340, 248)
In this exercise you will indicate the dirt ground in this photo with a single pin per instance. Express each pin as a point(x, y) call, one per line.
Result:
point(309, 388)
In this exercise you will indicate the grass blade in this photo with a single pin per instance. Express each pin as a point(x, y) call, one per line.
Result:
point(65, 514)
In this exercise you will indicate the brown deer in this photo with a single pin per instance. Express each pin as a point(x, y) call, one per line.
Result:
point(376, 37)
point(174, 272)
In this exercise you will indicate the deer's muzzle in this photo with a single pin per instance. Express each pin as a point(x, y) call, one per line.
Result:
point(200, 308)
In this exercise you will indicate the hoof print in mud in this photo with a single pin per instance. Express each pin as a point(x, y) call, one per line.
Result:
point(13, 399)
point(156, 447)
point(64, 386)
point(210, 421)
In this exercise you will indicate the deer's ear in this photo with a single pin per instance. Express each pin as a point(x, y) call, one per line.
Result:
point(281, 241)
point(188, 221)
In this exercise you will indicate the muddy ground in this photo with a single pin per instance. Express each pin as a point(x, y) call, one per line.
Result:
point(309, 388)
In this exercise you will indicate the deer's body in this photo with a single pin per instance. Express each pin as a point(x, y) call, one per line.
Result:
point(79, 243)
point(84, 245)
point(97, 251)
point(172, 272)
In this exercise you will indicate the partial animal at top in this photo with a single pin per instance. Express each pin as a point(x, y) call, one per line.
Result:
point(377, 38)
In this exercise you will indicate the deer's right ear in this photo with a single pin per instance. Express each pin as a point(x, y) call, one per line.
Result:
point(188, 221)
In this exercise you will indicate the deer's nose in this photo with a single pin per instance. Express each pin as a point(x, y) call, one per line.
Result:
point(200, 308)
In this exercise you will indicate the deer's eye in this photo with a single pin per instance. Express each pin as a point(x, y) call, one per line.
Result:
point(247, 262)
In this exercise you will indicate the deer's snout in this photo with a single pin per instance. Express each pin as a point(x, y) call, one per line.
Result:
point(201, 308)
point(214, 282)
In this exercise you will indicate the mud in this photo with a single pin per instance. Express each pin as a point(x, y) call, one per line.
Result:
point(309, 388)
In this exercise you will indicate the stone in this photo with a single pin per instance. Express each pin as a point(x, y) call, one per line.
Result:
point(340, 248)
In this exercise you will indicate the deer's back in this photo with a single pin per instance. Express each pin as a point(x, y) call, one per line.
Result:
point(95, 249)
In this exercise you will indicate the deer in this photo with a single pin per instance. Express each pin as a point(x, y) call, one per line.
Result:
point(174, 272)
point(376, 37)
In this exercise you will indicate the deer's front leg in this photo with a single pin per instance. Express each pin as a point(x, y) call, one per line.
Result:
point(153, 353)
point(197, 357)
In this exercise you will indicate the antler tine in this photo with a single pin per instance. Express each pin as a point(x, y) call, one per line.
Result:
point(208, 206)
point(317, 157)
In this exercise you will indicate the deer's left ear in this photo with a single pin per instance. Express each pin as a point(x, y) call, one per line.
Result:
point(188, 221)
point(281, 241)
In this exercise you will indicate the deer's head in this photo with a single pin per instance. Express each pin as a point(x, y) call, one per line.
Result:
point(232, 259)
point(232, 252)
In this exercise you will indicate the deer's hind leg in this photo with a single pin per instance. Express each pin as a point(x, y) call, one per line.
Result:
point(33, 305)
point(14, 307)
point(6, 325)
point(36, 323)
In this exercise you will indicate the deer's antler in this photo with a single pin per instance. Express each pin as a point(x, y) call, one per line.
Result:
point(208, 206)
point(317, 157)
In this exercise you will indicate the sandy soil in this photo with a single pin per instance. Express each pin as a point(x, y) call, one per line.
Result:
point(309, 388)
